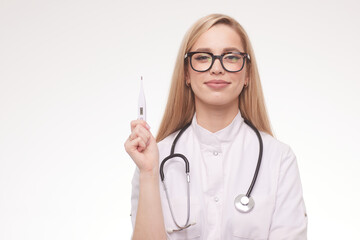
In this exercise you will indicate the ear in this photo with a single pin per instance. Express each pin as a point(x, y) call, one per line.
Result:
point(187, 78)
point(246, 81)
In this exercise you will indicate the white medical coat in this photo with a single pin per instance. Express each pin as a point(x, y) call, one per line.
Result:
point(222, 165)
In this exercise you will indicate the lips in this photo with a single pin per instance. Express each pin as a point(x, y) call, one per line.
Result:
point(217, 84)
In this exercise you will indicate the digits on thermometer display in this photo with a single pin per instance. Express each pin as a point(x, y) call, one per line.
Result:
point(142, 103)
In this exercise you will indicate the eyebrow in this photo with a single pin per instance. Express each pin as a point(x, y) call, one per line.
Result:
point(229, 49)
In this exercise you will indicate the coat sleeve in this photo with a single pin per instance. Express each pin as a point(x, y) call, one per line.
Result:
point(134, 196)
point(289, 219)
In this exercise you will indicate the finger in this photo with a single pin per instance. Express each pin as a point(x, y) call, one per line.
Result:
point(134, 123)
point(127, 146)
point(142, 132)
point(132, 136)
point(134, 146)
point(141, 145)
point(145, 137)
point(131, 149)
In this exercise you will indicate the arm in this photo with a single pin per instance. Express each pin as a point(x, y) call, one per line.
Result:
point(289, 219)
point(142, 148)
point(149, 222)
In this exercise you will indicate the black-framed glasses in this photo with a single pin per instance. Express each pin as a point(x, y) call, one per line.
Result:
point(230, 61)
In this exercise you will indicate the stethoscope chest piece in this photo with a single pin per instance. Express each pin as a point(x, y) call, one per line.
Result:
point(243, 203)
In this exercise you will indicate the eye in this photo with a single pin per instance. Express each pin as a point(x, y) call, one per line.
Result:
point(202, 57)
point(232, 58)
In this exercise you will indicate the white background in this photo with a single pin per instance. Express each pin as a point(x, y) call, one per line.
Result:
point(69, 83)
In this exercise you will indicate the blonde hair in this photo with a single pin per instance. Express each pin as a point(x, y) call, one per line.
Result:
point(180, 106)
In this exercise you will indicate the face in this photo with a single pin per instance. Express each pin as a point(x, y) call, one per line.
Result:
point(217, 87)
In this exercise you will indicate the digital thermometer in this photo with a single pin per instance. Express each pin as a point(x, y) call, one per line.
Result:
point(142, 103)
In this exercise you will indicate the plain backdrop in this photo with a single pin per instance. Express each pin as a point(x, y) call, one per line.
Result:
point(69, 83)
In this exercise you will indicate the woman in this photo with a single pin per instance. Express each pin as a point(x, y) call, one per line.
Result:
point(215, 86)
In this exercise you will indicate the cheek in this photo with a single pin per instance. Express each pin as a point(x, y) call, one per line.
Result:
point(195, 77)
point(239, 78)
point(238, 83)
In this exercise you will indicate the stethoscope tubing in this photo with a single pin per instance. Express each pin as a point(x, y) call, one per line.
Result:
point(187, 171)
point(172, 155)
point(259, 157)
point(178, 136)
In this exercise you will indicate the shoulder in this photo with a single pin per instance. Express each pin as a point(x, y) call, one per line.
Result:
point(273, 149)
point(166, 142)
point(275, 144)
point(281, 154)
point(165, 145)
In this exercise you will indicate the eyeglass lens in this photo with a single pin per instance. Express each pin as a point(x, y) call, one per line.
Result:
point(231, 61)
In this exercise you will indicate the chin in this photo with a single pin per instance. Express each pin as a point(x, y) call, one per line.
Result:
point(220, 102)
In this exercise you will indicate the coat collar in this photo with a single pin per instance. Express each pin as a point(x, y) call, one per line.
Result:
point(224, 135)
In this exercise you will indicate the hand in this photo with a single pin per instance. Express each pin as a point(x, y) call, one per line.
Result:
point(142, 147)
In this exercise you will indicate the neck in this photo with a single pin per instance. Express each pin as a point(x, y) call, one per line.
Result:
point(215, 118)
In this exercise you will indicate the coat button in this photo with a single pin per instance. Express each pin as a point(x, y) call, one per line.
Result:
point(215, 153)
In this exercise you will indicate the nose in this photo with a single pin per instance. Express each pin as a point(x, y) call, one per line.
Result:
point(217, 68)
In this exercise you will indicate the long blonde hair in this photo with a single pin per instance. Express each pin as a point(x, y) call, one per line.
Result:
point(180, 107)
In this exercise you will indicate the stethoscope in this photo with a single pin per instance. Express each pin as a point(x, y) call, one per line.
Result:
point(243, 202)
